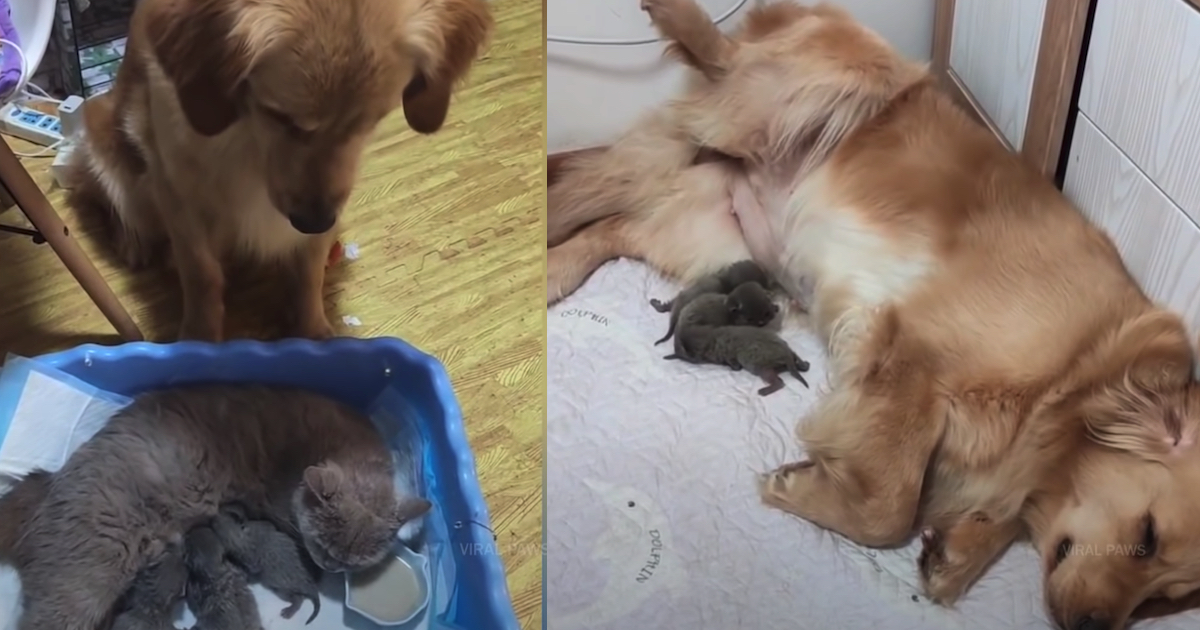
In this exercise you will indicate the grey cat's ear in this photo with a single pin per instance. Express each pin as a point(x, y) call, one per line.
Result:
point(323, 481)
point(408, 509)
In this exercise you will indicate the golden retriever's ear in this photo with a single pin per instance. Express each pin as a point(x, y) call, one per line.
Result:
point(1142, 409)
point(194, 42)
point(445, 36)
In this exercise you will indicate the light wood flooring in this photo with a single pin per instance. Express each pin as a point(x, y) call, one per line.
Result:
point(450, 230)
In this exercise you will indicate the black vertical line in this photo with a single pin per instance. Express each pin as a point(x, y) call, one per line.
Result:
point(1064, 155)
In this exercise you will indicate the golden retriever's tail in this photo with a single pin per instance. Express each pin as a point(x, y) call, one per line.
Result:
point(17, 507)
point(633, 174)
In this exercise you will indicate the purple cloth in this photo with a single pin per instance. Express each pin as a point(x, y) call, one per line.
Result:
point(10, 60)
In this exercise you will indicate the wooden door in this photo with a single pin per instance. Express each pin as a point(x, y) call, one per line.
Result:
point(1014, 65)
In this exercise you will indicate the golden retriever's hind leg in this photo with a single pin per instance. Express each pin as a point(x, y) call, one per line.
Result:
point(952, 559)
point(568, 265)
point(309, 320)
point(867, 459)
point(695, 38)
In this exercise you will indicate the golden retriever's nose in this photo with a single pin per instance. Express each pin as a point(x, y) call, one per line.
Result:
point(1089, 622)
point(312, 222)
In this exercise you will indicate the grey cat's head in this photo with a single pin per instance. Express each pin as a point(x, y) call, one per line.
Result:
point(347, 521)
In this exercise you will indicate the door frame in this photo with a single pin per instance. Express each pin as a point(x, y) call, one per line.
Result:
point(1055, 79)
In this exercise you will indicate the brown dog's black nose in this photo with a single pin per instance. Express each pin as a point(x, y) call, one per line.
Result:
point(312, 222)
point(1090, 623)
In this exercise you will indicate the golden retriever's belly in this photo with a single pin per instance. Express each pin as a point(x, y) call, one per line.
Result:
point(848, 267)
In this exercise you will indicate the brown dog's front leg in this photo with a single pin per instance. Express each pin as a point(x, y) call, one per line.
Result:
point(696, 38)
point(952, 559)
point(308, 288)
point(203, 284)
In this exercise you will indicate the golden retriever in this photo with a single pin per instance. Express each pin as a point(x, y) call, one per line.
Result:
point(995, 371)
point(234, 130)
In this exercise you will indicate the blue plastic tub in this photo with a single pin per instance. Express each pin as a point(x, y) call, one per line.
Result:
point(355, 371)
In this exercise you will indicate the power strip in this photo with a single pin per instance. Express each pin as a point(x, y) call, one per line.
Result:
point(30, 124)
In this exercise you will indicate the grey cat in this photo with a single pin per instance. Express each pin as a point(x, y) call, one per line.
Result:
point(217, 592)
point(270, 557)
point(17, 506)
point(704, 338)
point(723, 281)
point(317, 469)
point(149, 604)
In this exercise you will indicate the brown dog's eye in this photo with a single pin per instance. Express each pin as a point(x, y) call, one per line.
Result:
point(1149, 544)
point(286, 122)
point(1064, 548)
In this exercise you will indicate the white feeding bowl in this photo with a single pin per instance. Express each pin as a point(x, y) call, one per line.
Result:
point(393, 592)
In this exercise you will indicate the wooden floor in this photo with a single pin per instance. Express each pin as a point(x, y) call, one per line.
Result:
point(451, 240)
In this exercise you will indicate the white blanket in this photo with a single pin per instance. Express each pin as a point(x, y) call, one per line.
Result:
point(653, 521)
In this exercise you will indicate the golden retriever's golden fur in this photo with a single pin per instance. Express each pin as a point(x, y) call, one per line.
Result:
point(235, 127)
point(995, 369)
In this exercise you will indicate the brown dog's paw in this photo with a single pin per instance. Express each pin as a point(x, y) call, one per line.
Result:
point(200, 328)
point(316, 328)
point(666, 14)
point(941, 582)
point(777, 487)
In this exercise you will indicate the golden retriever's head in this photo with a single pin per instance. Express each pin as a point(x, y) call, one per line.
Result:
point(314, 78)
point(1121, 526)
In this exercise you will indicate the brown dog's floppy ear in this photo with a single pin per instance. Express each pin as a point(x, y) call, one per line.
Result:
point(445, 36)
point(1131, 388)
point(194, 42)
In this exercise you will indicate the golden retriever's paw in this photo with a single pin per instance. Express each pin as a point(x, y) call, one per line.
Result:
point(200, 329)
point(666, 14)
point(939, 580)
point(783, 487)
point(317, 329)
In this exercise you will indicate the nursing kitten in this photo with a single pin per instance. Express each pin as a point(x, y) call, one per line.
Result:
point(315, 468)
point(751, 305)
point(218, 593)
point(703, 337)
point(149, 604)
point(723, 281)
point(269, 557)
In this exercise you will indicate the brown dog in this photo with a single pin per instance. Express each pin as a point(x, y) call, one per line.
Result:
point(995, 369)
point(235, 127)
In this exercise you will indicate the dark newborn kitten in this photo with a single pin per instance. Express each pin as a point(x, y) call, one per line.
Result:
point(17, 507)
point(723, 281)
point(271, 558)
point(316, 468)
point(751, 305)
point(217, 592)
point(149, 604)
point(704, 337)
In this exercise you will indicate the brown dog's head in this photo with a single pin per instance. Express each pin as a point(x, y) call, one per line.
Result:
point(315, 77)
point(1122, 525)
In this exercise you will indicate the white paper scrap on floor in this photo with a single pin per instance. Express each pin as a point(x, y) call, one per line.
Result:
point(653, 519)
